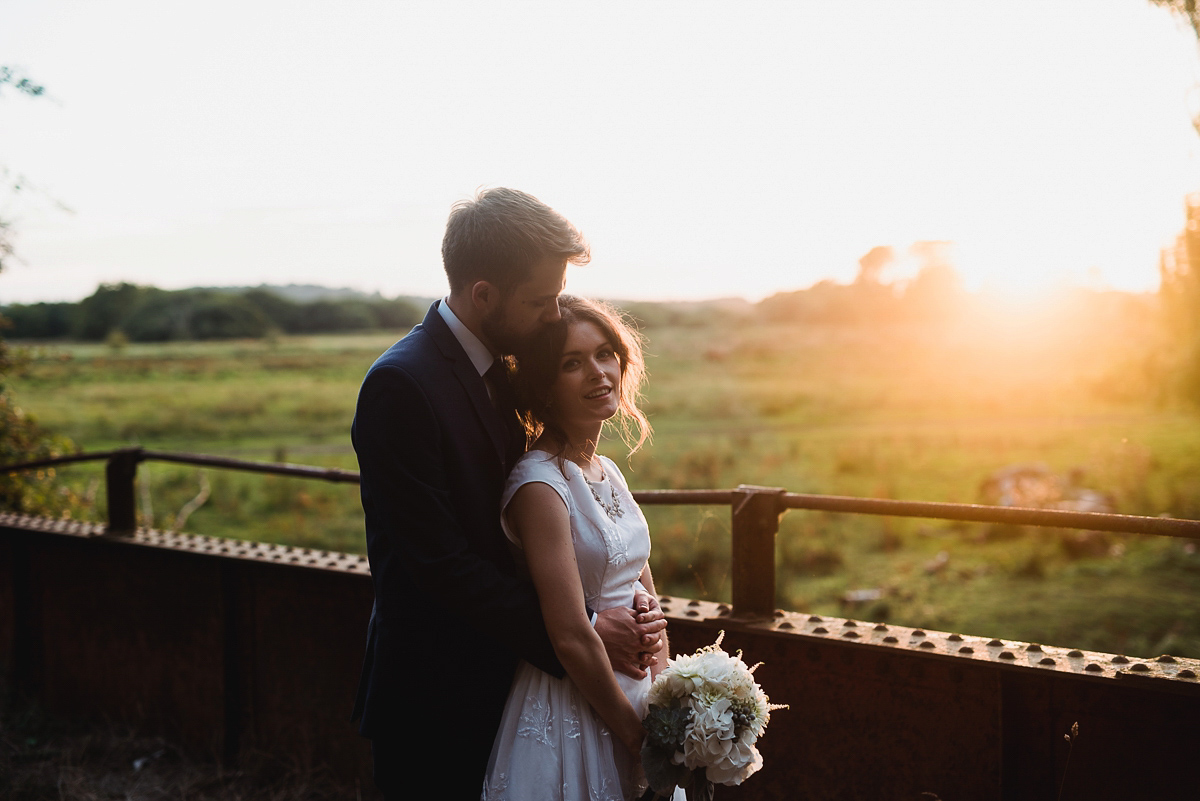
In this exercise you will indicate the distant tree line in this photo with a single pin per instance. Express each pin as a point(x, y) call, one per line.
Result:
point(934, 294)
point(149, 314)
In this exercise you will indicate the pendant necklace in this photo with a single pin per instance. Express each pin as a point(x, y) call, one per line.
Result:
point(614, 510)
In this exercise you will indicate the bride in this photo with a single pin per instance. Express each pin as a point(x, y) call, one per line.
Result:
point(573, 524)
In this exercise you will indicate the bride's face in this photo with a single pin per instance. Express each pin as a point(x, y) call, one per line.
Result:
point(588, 387)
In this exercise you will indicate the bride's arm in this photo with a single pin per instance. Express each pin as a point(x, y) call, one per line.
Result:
point(658, 665)
point(539, 518)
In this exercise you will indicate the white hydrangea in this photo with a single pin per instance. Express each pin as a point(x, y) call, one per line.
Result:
point(715, 687)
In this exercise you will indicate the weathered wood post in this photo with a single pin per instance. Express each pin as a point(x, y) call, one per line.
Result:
point(119, 475)
point(756, 513)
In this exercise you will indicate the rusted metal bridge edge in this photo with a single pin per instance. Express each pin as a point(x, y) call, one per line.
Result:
point(755, 512)
point(234, 646)
point(1182, 674)
point(231, 645)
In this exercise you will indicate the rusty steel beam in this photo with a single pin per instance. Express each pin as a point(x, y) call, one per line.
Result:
point(976, 513)
point(755, 513)
point(120, 473)
point(684, 497)
point(334, 474)
point(1180, 674)
point(54, 461)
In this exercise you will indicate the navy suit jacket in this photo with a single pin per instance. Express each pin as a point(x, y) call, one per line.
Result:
point(451, 614)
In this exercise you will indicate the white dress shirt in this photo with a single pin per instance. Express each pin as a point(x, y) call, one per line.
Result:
point(477, 352)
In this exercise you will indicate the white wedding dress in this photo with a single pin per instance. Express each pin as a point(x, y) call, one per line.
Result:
point(550, 744)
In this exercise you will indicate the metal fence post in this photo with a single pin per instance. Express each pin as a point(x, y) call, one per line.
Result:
point(119, 475)
point(756, 513)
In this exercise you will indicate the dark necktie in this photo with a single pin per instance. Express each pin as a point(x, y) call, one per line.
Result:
point(499, 388)
point(505, 401)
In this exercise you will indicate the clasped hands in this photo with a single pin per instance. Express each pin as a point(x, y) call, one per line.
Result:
point(632, 636)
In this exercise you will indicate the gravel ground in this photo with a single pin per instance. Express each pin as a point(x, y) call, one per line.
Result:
point(43, 758)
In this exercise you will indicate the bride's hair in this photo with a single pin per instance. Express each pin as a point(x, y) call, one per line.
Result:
point(538, 369)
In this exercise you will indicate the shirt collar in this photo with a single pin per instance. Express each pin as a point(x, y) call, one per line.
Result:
point(481, 358)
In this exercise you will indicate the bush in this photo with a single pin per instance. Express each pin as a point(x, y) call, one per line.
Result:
point(23, 440)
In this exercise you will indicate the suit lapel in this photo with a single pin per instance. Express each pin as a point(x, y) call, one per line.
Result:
point(471, 381)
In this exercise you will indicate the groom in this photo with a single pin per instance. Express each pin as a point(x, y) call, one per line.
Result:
point(436, 434)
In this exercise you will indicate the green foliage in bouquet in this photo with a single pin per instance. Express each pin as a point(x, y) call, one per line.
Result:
point(666, 728)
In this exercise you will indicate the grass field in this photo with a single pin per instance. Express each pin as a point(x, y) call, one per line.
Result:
point(905, 412)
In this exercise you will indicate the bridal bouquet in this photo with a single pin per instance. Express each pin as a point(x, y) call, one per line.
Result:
point(705, 714)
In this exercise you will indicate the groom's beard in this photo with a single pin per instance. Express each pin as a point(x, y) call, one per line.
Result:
point(495, 328)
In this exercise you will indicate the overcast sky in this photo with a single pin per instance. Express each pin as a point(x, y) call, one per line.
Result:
point(705, 149)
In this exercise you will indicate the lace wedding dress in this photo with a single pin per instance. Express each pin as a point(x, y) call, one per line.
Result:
point(550, 744)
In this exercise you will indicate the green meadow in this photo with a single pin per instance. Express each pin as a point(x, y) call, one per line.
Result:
point(911, 412)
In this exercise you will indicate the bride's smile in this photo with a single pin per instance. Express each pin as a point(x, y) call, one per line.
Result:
point(586, 391)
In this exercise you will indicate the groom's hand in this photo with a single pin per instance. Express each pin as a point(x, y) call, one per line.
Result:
point(632, 637)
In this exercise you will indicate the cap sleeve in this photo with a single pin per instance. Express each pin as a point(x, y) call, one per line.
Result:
point(535, 467)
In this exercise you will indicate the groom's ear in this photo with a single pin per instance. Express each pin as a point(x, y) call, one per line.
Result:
point(485, 296)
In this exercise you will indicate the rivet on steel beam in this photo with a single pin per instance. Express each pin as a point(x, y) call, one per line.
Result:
point(1034, 647)
point(966, 649)
point(724, 608)
point(815, 619)
point(274, 556)
point(955, 638)
point(665, 609)
point(1120, 660)
point(995, 643)
point(351, 566)
point(1093, 668)
point(294, 559)
point(880, 627)
point(1186, 673)
point(783, 625)
point(1007, 655)
point(1140, 668)
point(1074, 653)
point(927, 644)
point(664, 599)
point(1045, 660)
point(820, 630)
point(1165, 658)
point(850, 624)
point(918, 633)
point(723, 612)
point(850, 634)
point(780, 613)
point(693, 613)
point(693, 603)
point(890, 638)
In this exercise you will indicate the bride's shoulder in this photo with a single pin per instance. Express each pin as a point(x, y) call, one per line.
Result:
point(537, 466)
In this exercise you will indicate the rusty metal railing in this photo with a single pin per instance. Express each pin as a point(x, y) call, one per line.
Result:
point(755, 512)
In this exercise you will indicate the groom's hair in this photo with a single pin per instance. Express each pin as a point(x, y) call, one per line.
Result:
point(500, 235)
